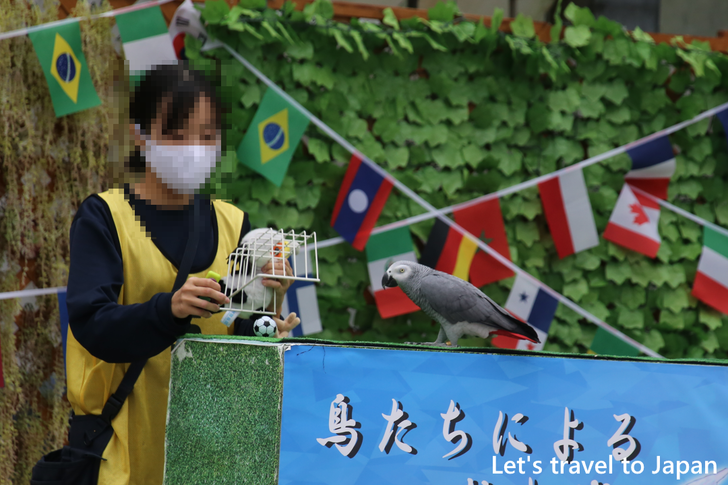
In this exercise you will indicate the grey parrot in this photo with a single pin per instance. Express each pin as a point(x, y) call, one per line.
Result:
point(459, 307)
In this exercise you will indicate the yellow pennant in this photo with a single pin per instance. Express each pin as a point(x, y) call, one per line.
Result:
point(66, 67)
point(273, 136)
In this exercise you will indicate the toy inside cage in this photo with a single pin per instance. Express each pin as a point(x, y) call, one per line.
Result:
point(243, 282)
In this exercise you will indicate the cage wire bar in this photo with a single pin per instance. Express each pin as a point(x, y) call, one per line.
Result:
point(243, 283)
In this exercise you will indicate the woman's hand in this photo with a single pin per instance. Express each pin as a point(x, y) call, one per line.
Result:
point(285, 326)
point(186, 301)
point(282, 266)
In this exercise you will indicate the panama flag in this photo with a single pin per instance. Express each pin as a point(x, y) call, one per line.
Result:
point(186, 21)
point(633, 223)
point(530, 303)
point(653, 164)
point(65, 69)
point(382, 250)
point(711, 280)
point(145, 39)
point(361, 198)
point(569, 213)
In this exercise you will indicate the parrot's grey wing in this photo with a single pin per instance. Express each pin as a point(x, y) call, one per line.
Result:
point(459, 301)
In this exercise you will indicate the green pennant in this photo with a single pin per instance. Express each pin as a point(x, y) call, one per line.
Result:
point(605, 343)
point(64, 65)
point(272, 137)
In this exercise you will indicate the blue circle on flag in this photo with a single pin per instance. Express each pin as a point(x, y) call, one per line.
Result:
point(274, 136)
point(65, 67)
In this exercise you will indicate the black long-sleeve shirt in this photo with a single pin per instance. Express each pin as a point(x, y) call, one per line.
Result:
point(125, 333)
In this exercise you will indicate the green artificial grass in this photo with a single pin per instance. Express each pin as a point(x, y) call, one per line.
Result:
point(223, 424)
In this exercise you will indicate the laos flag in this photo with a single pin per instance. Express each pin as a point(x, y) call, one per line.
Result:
point(361, 199)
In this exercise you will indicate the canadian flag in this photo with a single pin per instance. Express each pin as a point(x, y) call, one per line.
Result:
point(633, 223)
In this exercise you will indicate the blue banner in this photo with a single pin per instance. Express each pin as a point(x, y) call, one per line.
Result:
point(369, 416)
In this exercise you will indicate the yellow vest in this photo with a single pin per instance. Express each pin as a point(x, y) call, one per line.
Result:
point(135, 454)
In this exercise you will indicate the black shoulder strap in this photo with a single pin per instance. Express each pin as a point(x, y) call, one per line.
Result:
point(116, 400)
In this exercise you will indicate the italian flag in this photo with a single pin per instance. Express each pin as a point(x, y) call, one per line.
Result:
point(382, 250)
point(145, 39)
point(711, 280)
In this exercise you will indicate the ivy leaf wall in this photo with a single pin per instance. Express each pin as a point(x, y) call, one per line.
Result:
point(456, 110)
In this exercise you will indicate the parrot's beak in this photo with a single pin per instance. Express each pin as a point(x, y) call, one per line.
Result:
point(388, 281)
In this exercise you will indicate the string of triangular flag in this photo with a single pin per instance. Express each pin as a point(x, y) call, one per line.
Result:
point(365, 189)
point(142, 31)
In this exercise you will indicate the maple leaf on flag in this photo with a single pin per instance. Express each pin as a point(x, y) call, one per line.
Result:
point(640, 215)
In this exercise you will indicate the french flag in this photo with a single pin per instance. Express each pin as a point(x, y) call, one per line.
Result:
point(569, 213)
point(653, 165)
point(361, 199)
point(530, 303)
point(301, 298)
point(633, 223)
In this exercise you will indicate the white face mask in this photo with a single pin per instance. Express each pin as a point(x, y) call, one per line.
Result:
point(182, 168)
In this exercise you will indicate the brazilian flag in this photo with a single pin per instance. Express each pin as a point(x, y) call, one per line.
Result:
point(64, 65)
point(272, 137)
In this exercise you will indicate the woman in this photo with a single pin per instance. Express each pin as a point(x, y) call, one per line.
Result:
point(126, 247)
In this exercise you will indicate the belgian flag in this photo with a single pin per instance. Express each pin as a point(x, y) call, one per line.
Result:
point(448, 251)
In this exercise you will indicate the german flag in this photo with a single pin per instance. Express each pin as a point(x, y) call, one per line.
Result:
point(448, 251)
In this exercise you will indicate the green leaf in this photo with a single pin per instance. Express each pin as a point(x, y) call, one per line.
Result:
point(653, 339)
point(390, 19)
point(251, 96)
point(215, 11)
point(618, 272)
point(631, 318)
point(527, 233)
point(307, 196)
point(443, 11)
point(633, 297)
point(396, 156)
point(579, 16)
point(496, 20)
point(578, 36)
point(451, 182)
point(616, 92)
point(671, 320)
point(576, 289)
point(566, 100)
point(319, 149)
point(711, 318)
point(674, 300)
point(448, 155)
point(509, 161)
point(341, 41)
point(587, 260)
point(473, 154)
point(522, 26)
point(358, 40)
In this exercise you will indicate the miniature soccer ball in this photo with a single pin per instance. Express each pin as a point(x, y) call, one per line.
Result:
point(265, 327)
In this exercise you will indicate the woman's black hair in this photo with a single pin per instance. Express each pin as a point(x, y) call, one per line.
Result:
point(179, 84)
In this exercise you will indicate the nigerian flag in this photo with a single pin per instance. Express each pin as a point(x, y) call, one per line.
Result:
point(65, 69)
point(711, 280)
point(146, 40)
point(272, 137)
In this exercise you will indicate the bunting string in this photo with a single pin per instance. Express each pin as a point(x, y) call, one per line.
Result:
point(69, 20)
point(440, 214)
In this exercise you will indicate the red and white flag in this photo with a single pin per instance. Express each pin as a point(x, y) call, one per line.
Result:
point(633, 223)
point(569, 213)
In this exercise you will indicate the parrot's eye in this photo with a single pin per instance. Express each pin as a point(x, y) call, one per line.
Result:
point(401, 270)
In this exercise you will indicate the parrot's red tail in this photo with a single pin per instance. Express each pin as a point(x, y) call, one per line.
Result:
point(506, 333)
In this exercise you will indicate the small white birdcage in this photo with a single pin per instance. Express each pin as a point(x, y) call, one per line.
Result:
point(243, 282)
